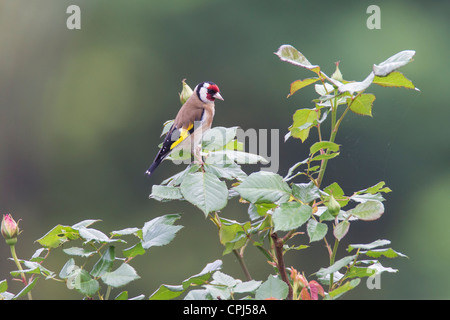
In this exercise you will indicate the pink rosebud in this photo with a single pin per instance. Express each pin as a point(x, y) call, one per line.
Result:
point(10, 229)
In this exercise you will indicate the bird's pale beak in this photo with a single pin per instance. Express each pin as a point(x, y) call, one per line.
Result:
point(218, 96)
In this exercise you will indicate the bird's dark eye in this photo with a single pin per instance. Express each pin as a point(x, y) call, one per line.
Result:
point(211, 91)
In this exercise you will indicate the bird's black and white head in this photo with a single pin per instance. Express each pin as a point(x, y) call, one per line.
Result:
point(207, 92)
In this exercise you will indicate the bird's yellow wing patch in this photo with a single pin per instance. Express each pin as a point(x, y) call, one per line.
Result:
point(184, 133)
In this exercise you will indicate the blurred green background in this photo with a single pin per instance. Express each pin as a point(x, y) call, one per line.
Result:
point(81, 112)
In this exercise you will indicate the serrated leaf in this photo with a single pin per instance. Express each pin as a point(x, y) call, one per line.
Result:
point(27, 289)
point(121, 276)
point(124, 232)
point(133, 251)
point(160, 231)
point(316, 230)
point(394, 79)
point(205, 191)
point(272, 288)
point(328, 145)
point(349, 285)
point(162, 193)
point(362, 104)
point(387, 252)
point(299, 84)
point(335, 266)
point(291, 55)
point(90, 234)
point(305, 192)
point(372, 245)
point(379, 187)
point(77, 251)
point(264, 187)
point(303, 120)
point(165, 292)
point(341, 229)
point(360, 86)
point(57, 236)
point(84, 283)
point(247, 286)
point(391, 64)
point(290, 216)
point(85, 223)
point(368, 211)
point(3, 286)
point(105, 263)
point(218, 137)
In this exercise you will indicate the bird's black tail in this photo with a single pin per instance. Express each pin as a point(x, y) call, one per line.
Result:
point(153, 166)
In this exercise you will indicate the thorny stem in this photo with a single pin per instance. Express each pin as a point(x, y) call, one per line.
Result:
point(278, 243)
point(24, 279)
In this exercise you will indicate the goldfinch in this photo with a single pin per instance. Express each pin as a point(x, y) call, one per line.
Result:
point(192, 121)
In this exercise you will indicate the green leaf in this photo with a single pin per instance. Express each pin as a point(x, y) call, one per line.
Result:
point(162, 193)
point(341, 229)
point(218, 137)
point(68, 269)
point(241, 157)
point(299, 84)
point(349, 285)
point(124, 232)
point(316, 230)
point(290, 216)
point(247, 286)
point(387, 252)
point(90, 234)
point(305, 192)
point(362, 104)
point(360, 86)
point(121, 276)
point(165, 292)
point(368, 211)
point(304, 119)
point(335, 266)
point(76, 251)
point(394, 79)
point(85, 284)
point(232, 234)
point(337, 192)
point(372, 245)
point(32, 268)
point(134, 251)
point(359, 272)
point(375, 189)
point(205, 191)
point(3, 286)
point(325, 156)
point(218, 164)
point(178, 178)
point(160, 231)
point(272, 288)
point(331, 146)
point(27, 289)
point(105, 263)
point(264, 187)
point(85, 223)
point(391, 64)
point(291, 55)
point(204, 275)
point(122, 296)
point(57, 236)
